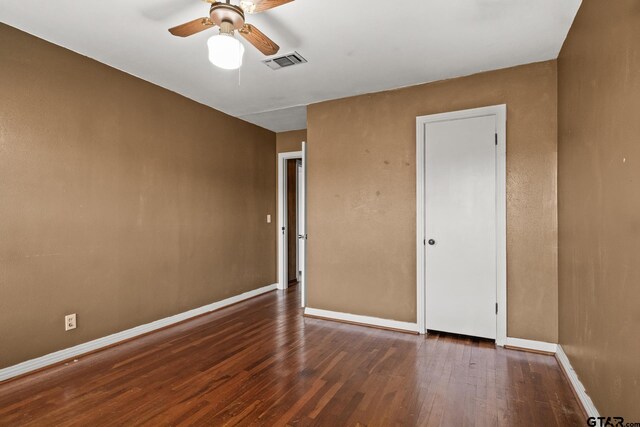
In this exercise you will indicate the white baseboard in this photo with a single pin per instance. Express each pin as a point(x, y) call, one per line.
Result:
point(546, 347)
point(577, 386)
point(363, 320)
point(68, 353)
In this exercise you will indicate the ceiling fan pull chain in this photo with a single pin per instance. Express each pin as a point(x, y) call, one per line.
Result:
point(239, 69)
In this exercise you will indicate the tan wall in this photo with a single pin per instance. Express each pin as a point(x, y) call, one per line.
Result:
point(599, 203)
point(119, 201)
point(290, 141)
point(362, 186)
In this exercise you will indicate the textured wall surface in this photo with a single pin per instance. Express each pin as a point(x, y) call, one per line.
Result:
point(599, 203)
point(290, 141)
point(362, 185)
point(119, 201)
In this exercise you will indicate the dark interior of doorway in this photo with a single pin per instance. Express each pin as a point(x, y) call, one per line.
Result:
point(292, 236)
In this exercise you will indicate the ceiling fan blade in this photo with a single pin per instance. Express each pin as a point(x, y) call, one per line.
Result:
point(257, 38)
point(262, 5)
point(192, 27)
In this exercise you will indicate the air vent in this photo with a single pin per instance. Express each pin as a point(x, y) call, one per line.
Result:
point(285, 61)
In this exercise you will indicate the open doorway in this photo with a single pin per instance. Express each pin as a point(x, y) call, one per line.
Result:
point(293, 252)
point(291, 221)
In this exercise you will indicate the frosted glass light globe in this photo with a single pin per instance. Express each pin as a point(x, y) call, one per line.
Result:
point(225, 51)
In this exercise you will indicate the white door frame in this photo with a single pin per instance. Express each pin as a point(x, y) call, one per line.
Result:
point(299, 198)
point(500, 112)
point(283, 279)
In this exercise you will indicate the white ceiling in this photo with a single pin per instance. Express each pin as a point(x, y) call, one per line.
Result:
point(353, 46)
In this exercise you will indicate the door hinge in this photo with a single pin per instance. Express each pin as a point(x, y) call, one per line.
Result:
point(496, 139)
point(496, 308)
point(424, 242)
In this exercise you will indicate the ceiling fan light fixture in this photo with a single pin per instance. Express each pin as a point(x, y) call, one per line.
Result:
point(225, 51)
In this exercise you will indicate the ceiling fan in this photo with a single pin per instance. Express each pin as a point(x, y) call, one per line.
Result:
point(225, 50)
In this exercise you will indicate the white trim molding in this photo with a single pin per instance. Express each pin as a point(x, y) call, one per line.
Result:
point(500, 112)
point(80, 349)
point(362, 320)
point(546, 347)
point(577, 386)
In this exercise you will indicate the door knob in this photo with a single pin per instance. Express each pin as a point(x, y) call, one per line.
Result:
point(431, 242)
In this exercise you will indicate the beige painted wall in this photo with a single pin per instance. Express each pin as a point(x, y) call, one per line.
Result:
point(119, 201)
point(599, 203)
point(361, 196)
point(290, 141)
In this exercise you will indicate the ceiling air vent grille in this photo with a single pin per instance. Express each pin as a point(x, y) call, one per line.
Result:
point(284, 61)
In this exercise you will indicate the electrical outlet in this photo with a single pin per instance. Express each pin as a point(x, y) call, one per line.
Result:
point(70, 322)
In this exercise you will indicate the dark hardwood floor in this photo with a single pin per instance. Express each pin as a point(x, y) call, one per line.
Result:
point(261, 363)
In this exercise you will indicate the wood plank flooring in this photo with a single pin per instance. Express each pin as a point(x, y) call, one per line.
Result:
point(261, 363)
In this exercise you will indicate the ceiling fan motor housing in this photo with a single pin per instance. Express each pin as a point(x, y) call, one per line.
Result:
point(227, 16)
